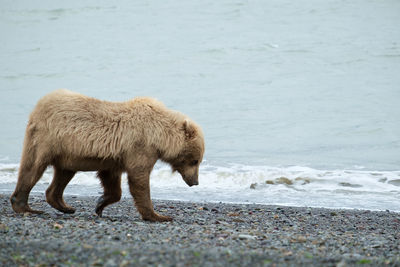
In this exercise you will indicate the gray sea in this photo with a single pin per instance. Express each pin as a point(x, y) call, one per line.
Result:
point(299, 100)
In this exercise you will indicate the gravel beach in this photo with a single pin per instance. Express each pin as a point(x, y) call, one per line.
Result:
point(202, 234)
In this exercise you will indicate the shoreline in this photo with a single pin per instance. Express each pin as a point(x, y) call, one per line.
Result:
point(329, 200)
point(213, 234)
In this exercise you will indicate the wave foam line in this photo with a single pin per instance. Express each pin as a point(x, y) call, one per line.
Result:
point(237, 176)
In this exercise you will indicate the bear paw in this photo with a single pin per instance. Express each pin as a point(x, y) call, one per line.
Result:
point(157, 218)
point(22, 206)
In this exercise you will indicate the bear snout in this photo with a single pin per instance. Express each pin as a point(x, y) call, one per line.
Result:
point(191, 181)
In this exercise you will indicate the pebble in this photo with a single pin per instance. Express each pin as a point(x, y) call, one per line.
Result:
point(242, 237)
point(206, 234)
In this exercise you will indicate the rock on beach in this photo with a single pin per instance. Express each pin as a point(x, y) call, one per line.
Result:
point(203, 234)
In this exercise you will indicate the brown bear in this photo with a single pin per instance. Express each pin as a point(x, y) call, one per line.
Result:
point(73, 132)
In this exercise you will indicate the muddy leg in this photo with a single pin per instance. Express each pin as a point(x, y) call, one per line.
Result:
point(111, 182)
point(139, 186)
point(28, 176)
point(54, 193)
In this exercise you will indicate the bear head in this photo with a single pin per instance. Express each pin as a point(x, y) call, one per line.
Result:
point(188, 160)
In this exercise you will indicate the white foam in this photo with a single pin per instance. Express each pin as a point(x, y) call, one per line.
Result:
point(294, 185)
point(242, 176)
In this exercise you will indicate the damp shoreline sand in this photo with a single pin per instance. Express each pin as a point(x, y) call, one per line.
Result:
point(202, 234)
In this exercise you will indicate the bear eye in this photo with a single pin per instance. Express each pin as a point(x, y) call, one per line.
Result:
point(194, 162)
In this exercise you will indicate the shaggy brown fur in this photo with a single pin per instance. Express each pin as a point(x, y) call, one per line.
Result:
point(73, 132)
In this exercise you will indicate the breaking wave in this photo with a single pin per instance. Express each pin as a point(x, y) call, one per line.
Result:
point(235, 183)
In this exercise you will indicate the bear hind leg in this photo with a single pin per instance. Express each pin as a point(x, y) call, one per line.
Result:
point(54, 193)
point(29, 175)
point(111, 182)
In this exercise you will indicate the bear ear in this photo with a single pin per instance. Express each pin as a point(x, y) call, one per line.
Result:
point(188, 127)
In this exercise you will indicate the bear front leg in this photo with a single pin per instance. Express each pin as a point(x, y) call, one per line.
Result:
point(139, 186)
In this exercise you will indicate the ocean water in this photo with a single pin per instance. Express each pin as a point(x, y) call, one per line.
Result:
point(298, 100)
